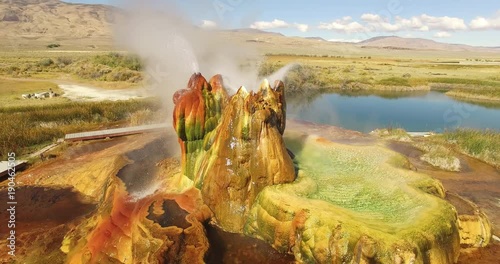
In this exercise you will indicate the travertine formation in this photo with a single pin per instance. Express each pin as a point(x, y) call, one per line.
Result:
point(357, 204)
point(78, 211)
point(333, 203)
point(232, 156)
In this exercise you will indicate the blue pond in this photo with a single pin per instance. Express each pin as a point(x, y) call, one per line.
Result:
point(416, 112)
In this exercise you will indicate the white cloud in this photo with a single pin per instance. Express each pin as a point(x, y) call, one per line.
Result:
point(208, 24)
point(376, 23)
point(425, 22)
point(263, 25)
point(481, 23)
point(371, 17)
point(443, 23)
point(301, 27)
point(442, 34)
point(345, 25)
point(424, 28)
point(276, 23)
point(413, 23)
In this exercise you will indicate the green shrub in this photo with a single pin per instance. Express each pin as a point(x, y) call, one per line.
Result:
point(64, 61)
point(302, 76)
point(13, 69)
point(46, 62)
point(53, 45)
point(115, 59)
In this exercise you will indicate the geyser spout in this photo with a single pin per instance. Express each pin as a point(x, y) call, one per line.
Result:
point(232, 147)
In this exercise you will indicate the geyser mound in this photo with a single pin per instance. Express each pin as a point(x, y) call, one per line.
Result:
point(348, 203)
point(330, 203)
point(232, 147)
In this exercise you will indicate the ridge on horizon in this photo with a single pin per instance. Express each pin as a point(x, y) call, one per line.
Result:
point(95, 20)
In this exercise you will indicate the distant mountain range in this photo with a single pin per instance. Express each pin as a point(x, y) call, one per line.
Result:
point(316, 38)
point(394, 42)
point(40, 22)
point(254, 31)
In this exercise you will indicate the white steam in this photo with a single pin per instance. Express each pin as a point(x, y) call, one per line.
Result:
point(281, 73)
point(173, 49)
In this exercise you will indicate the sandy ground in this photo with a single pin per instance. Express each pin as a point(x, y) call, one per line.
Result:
point(85, 93)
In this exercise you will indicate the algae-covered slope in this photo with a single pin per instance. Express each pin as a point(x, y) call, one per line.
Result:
point(353, 203)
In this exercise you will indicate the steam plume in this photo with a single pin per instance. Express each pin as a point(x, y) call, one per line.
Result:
point(173, 49)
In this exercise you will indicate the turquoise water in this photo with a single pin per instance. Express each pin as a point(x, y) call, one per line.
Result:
point(420, 111)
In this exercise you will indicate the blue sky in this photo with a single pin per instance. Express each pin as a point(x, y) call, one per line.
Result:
point(452, 21)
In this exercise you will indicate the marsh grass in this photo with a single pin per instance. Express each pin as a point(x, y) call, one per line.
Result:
point(487, 94)
point(394, 81)
point(438, 155)
point(436, 151)
point(481, 144)
point(398, 134)
point(463, 81)
point(26, 126)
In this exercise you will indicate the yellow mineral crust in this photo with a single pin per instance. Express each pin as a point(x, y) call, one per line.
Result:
point(350, 203)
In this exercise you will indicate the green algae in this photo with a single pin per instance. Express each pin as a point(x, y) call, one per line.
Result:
point(355, 201)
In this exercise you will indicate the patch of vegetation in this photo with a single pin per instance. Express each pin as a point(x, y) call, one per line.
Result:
point(397, 134)
point(481, 144)
point(116, 60)
point(462, 81)
point(46, 62)
point(483, 93)
point(472, 81)
point(64, 61)
point(439, 149)
point(435, 154)
point(395, 81)
point(110, 67)
point(303, 77)
point(141, 117)
point(53, 45)
point(438, 156)
point(26, 126)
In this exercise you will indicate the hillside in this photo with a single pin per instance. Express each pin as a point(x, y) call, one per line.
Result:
point(393, 42)
point(36, 23)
